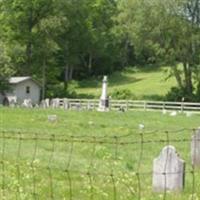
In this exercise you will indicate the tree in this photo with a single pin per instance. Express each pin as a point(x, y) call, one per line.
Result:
point(167, 31)
point(6, 70)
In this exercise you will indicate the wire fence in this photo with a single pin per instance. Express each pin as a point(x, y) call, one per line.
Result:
point(35, 166)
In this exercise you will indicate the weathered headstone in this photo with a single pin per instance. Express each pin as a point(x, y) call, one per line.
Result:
point(13, 102)
point(55, 103)
point(27, 103)
point(168, 171)
point(65, 104)
point(90, 106)
point(43, 104)
point(47, 103)
point(52, 118)
point(195, 148)
point(104, 100)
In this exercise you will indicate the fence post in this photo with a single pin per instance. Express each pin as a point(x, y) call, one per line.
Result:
point(163, 106)
point(195, 148)
point(168, 171)
point(127, 106)
point(145, 105)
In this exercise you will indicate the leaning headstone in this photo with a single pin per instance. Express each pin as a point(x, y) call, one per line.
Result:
point(168, 171)
point(195, 148)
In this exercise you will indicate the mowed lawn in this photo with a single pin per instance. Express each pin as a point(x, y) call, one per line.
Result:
point(144, 83)
point(89, 155)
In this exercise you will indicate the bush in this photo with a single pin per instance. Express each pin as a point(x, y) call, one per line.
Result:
point(176, 94)
point(122, 94)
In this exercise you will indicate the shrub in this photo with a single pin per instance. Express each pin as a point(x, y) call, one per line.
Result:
point(122, 94)
point(176, 94)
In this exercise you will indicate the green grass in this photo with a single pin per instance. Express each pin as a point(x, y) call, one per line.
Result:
point(39, 166)
point(144, 83)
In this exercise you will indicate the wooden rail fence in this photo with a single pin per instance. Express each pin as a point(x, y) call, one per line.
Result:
point(130, 105)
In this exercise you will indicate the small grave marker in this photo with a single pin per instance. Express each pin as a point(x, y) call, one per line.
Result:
point(52, 118)
point(168, 171)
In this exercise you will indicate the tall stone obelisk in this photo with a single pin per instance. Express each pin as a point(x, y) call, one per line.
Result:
point(104, 100)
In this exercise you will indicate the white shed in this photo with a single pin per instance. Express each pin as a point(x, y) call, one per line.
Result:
point(23, 88)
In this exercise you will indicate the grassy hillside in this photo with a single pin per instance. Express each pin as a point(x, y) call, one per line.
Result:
point(144, 83)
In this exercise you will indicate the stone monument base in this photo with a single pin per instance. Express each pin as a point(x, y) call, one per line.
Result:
point(103, 105)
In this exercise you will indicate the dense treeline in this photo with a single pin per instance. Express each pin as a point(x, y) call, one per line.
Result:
point(56, 41)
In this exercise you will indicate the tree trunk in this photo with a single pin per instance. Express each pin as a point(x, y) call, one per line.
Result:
point(66, 76)
point(71, 70)
point(188, 78)
point(90, 64)
point(44, 79)
point(178, 77)
point(29, 42)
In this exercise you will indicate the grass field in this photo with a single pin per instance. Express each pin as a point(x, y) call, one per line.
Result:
point(89, 155)
point(144, 83)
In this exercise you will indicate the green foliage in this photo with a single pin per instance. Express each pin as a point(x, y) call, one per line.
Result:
point(177, 94)
point(5, 69)
point(58, 41)
point(57, 91)
point(122, 94)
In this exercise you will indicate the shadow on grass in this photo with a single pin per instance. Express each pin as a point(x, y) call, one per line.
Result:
point(153, 97)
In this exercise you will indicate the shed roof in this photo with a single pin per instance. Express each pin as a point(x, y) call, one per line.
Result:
point(19, 79)
point(15, 80)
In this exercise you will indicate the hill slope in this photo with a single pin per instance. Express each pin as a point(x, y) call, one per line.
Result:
point(144, 83)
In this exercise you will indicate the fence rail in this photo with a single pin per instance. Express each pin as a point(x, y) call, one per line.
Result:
point(132, 105)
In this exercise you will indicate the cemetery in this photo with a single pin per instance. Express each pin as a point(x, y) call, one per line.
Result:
point(100, 100)
point(100, 149)
point(83, 154)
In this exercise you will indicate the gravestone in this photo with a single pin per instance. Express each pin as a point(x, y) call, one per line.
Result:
point(104, 100)
point(195, 148)
point(55, 103)
point(13, 102)
point(47, 103)
point(168, 171)
point(65, 104)
point(90, 106)
point(27, 103)
point(52, 118)
point(43, 104)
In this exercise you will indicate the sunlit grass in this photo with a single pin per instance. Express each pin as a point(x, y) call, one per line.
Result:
point(143, 83)
point(60, 168)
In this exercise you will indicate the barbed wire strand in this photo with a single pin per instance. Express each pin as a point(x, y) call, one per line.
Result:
point(34, 193)
point(139, 163)
point(68, 164)
point(49, 167)
point(3, 166)
point(18, 193)
point(193, 166)
point(165, 166)
point(91, 166)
